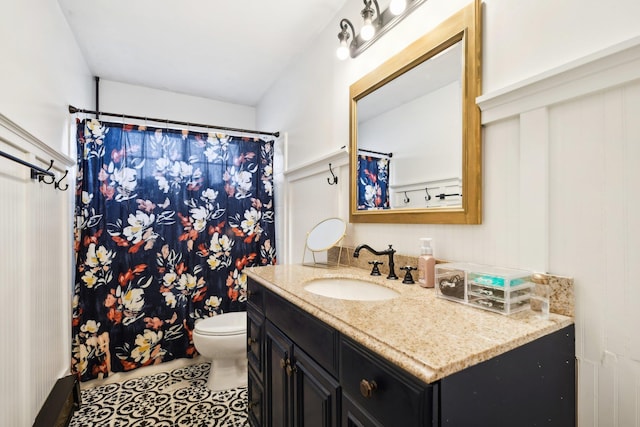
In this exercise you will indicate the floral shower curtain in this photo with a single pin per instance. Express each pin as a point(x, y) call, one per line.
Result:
point(373, 182)
point(166, 221)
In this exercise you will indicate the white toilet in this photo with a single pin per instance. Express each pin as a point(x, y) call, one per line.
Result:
point(222, 339)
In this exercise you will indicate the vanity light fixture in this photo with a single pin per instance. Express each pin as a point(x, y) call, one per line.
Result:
point(375, 24)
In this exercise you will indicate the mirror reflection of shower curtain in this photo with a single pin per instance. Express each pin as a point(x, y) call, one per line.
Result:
point(373, 182)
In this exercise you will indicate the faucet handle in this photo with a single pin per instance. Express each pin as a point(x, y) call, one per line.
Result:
point(375, 271)
point(408, 278)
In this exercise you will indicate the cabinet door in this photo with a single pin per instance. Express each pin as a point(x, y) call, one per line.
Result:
point(277, 384)
point(316, 394)
point(354, 416)
point(255, 338)
point(255, 396)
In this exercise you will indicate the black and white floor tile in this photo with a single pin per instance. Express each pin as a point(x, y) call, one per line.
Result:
point(179, 398)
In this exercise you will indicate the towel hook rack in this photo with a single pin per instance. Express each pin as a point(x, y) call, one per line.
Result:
point(39, 173)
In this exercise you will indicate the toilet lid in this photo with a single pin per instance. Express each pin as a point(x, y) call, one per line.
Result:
point(223, 324)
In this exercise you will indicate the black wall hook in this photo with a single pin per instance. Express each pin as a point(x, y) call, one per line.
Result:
point(42, 179)
point(406, 198)
point(428, 196)
point(57, 183)
point(333, 180)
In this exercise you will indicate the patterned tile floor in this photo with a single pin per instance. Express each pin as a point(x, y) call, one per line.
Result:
point(179, 398)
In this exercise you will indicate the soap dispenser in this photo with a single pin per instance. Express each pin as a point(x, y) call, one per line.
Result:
point(426, 264)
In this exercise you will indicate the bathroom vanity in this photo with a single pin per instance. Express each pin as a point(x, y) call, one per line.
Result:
point(413, 360)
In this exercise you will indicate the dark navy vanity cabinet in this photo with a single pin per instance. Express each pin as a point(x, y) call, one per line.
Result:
point(302, 372)
point(288, 386)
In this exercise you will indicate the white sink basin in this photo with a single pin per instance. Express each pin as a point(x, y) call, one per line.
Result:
point(350, 289)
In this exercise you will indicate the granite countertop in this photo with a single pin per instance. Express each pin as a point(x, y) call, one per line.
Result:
point(428, 337)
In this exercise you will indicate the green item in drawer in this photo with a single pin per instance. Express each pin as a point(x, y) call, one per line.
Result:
point(487, 280)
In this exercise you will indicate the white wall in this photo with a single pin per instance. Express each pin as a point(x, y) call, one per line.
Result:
point(584, 225)
point(42, 72)
point(116, 97)
point(525, 38)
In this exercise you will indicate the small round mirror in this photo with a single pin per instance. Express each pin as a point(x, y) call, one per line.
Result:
point(326, 234)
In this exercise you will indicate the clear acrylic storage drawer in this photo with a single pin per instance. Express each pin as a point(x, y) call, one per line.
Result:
point(501, 290)
point(451, 281)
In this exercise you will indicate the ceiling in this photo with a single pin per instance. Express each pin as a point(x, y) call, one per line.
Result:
point(227, 50)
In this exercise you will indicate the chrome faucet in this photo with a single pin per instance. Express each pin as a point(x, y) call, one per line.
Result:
point(390, 252)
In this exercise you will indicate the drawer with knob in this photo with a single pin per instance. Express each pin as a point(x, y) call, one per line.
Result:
point(385, 392)
point(314, 336)
point(255, 296)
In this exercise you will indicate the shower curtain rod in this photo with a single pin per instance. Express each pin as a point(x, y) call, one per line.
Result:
point(376, 152)
point(73, 110)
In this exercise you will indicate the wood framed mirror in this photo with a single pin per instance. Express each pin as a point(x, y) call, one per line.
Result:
point(415, 132)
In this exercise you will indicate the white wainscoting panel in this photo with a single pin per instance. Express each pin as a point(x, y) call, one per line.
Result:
point(579, 202)
point(315, 200)
point(36, 245)
point(534, 190)
point(12, 287)
point(309, 198)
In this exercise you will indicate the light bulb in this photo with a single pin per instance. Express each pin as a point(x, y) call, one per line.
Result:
point(343, 51)
point(397, 6)
point(367, 30)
